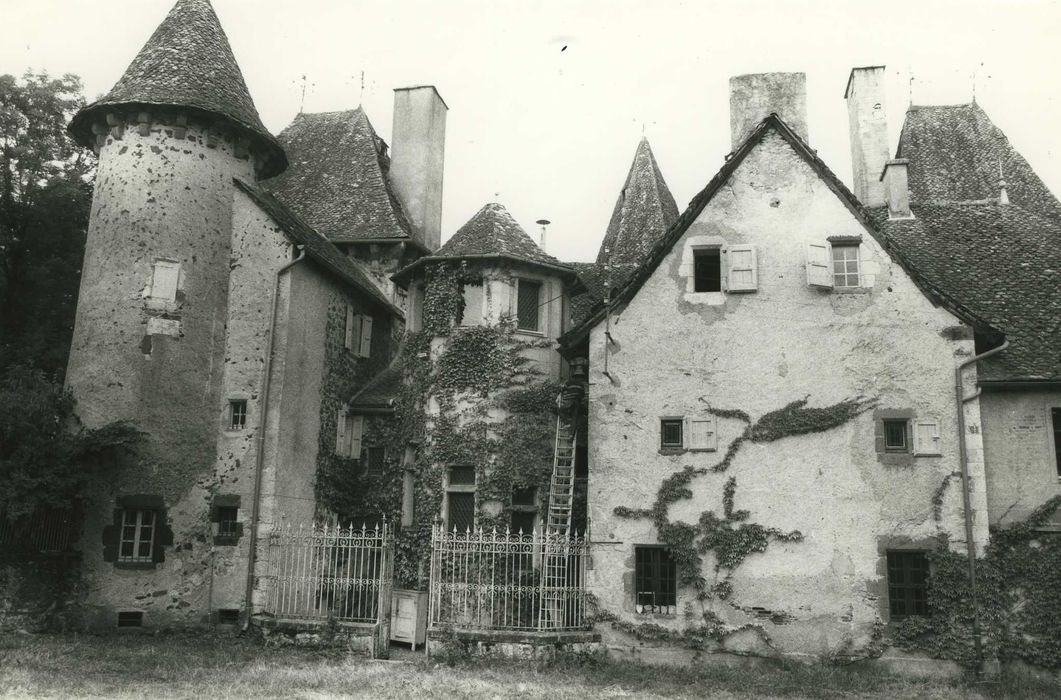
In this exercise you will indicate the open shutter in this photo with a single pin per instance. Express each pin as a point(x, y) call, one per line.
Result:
point(340, 433)
point(819, 273)
point(926, 437)
point(356, 425)
point(743, 269)
point(164, 280)
point(366, 336)
point(702, 433)
point(348, 342)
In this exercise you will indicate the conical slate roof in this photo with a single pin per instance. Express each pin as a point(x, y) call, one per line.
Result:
point(493, 232)
point(337, 178)
point(643, 213)
point(188, 63)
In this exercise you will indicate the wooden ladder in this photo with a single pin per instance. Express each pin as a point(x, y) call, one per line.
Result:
point(562, 486)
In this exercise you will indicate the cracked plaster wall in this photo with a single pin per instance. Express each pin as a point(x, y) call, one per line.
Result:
point(757, 352)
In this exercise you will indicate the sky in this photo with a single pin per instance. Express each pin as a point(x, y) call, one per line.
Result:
point(549, 99)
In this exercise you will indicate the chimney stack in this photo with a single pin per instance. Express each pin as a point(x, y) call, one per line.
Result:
point(897, 189)
point(868, 124)
point(755, 96)
point(418, 152)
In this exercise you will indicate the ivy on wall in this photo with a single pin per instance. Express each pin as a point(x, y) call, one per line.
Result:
point(1018, 597)
point(731, 538)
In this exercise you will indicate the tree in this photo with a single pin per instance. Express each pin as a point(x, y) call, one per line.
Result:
point(45, 197)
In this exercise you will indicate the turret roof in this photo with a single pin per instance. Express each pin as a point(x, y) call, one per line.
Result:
point(187, 63)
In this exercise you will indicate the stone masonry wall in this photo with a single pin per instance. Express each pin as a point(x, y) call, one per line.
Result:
point(678, 353)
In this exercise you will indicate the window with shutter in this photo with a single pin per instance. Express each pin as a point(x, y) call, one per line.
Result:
point(670, 433)
point(702, 435)
point(707, 270)
point(164, 280)
point(926, 437)
point(845, 265)
point(355, 423)
point(365, 342)
point(819, 273)
point(743, 272)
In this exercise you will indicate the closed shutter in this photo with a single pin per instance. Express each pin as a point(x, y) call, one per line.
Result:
point(348, 342)
point(818, 272)
point(743, 268)
point(702, 434)
point(164, 280)
point(926, 437)
point(365, 349)
point(356, 424)
point(340, 433)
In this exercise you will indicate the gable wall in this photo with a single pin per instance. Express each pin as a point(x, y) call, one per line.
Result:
point(677, 354)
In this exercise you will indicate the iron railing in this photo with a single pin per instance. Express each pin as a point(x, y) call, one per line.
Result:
point(499, 581)
point(328, 572)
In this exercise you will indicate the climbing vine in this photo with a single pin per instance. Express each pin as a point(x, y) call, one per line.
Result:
point(1018, 598)
point(731, 538)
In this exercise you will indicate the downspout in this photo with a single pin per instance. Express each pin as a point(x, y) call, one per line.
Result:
point(259, 457)
point(970, 546)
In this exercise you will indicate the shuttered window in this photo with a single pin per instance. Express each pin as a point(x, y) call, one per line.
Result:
point(164, 279)
point(707, 270)
point(365, 342)
point(702, 433)
point(926, 437)
point(845, 266)
point(138, 535)
point(528, 305)
point(348, 434)
point(819, 273)
point(743, 269)
point(670, 433)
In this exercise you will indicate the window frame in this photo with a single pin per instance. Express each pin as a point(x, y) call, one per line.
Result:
point(850, 246)
point(138, 539)
point(227, 528)
point(663, 587)
point(539, 308)
point(671, 421)
point(233, 405)
point(462, 488)
point(700, 252)
point(904, 592)
point(891, 449)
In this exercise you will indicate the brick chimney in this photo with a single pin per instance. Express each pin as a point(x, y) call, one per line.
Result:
point(868, 124)
point(753, 97)
point(418, 149)
point(897, 189)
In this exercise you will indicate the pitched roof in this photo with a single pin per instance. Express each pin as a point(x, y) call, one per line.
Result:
point(337, 178)
point(318, 248)
point(630, 287)
point(491, 233)
point(643, 212)
point(596, 279)
point(188, 63)
point(955, 152)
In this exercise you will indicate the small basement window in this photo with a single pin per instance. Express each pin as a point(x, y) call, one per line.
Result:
point(845, 265)
point(237, 414)
point(228, 616)
point(895, 436)
point(707, 270)
point(528, 305)
point(227, 521)
point(655, 574)
point(130, 619)
point(907, 584)
point(670, 433)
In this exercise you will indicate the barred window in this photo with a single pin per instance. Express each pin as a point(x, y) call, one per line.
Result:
point(528, 305)
point(138, 535)
point(895, 436)
point(670, 432)
point(461, 511)
point(907, 584)
point(237, 412)
point(227, 521)
point(655, 574)
point(375, 458)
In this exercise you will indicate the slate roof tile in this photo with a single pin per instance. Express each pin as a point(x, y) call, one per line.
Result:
point(187, 62)
point(337, 179)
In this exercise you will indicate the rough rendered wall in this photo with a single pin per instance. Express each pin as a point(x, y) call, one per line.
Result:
point(164, 195)
point(1019, 452)
point(678, 353)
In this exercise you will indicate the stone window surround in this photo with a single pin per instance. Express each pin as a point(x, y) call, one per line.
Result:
point(544, 304)
point(895, 543)
point(226, 413)
point(162, 536)
point(912, 453)
point(672, 449)
point(687, 269)
point(219, 501)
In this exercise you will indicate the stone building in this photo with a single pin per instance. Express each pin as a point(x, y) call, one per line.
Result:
point(771, 436)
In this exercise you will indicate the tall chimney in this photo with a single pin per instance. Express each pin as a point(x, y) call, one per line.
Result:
point(897, 189)
point(418, 152)
point(868, 124)
point(753, 97)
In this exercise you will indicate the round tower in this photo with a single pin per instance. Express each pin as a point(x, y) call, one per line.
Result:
point(148, 342)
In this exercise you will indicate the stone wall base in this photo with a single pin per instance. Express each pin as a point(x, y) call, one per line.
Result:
point(513, 645)
point(350, 636)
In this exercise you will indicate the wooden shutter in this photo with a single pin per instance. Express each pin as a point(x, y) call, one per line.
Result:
point(365, 348)
point(355, 427)
point(348, 342)
point(819, 273)
point(340, 433)
point(702, 433)
point(926, 437)
point(743, 269)
point(164, 280)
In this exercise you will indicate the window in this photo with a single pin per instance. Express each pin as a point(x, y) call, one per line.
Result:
point(358, 335)
point(237, 414)
point(845, 265)
point(707, 270)
point(138, 536)
point(743, 269)
point(895, 436)
point(227, 521)
point(348, 434)
point(524, 513)
point(164, 279)
point(375, 457)
point(907, 584)
point(460, 499)
point(130, 619)
point(1055, 416)
point(528, 304)
point(670, 433)
point(654, 575)
point(472, 314)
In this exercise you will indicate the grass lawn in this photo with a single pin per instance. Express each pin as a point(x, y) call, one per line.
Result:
point(213, 667)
